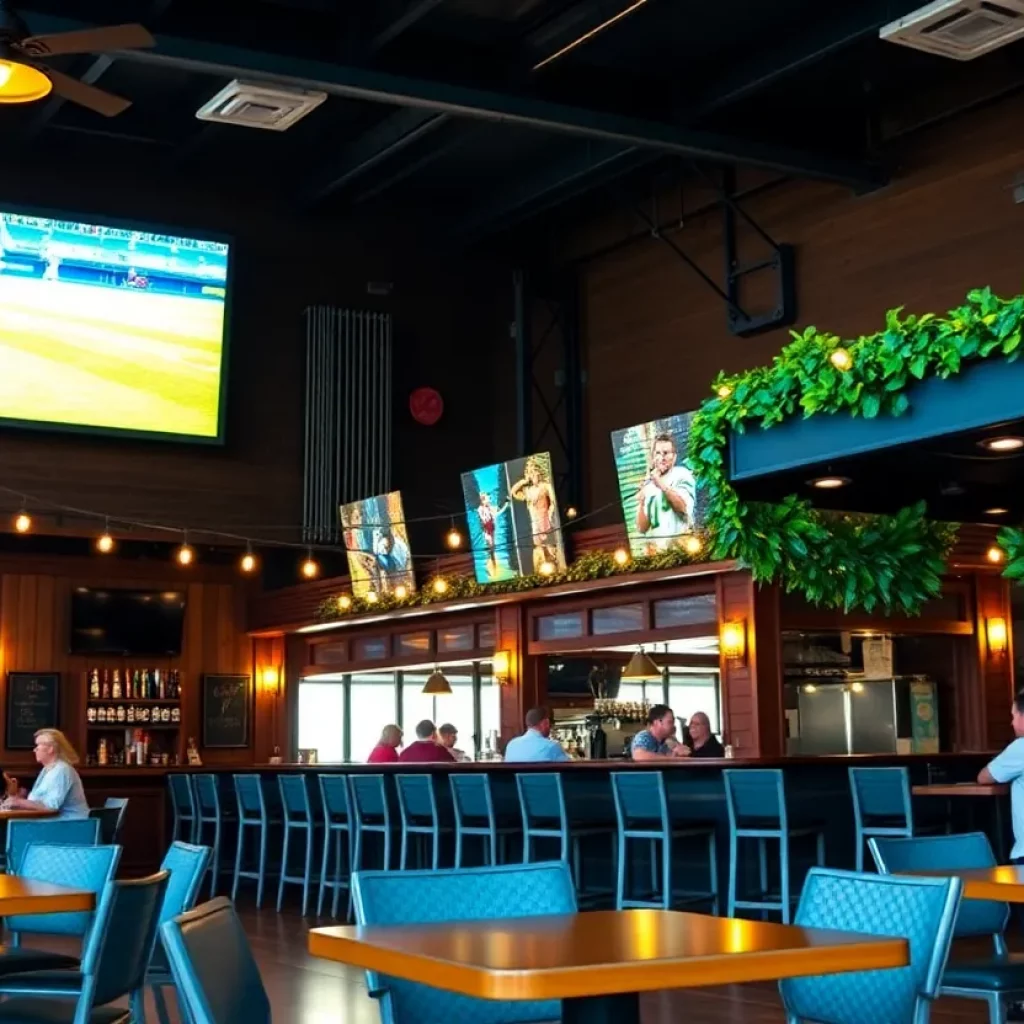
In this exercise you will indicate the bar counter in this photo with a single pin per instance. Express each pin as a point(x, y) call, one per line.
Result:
point(817, 791)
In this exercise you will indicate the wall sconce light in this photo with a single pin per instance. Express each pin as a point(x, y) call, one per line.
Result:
point(732, 640)
point(501, 667)
point(995, 631)
point(271, 677)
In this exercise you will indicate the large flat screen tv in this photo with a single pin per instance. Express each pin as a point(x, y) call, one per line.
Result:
point(128, 622)
point(112, 329)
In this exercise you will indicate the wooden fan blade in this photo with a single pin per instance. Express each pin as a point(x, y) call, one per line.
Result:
point(90, 40)
point(71, 89)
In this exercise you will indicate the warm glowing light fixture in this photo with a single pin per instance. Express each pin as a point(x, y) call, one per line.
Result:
point(995, 554)
point(995, 631)
point(640, 669)
point(310, 567)
point(571, 512)
point(453, 538)
point(22, 522)
point(401, 592)
point(621, 556)
point(829, 483)
point(440, 585)
point(841, 359)
point(692, 544)
point(596, 30)
point(248, 562)
point(996, 511)
point(724, 391)
point(732, 640)
point(271, 679)
point(21, 83)
point(344, 603)
point(1003, 444)
point(371, 597)
point(500, 666)
point(185, 555)
point(857, 687)
point(547, 568)
point(105, 542)
point(437, 683)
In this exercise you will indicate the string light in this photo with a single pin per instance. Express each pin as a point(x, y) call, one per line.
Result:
point(724, 391)
point(310, 567)
point(248, 562)
point(621, 556)
point(23, 522)
point(185, 555)
point(440, 585)
point(344, 603)
point(571, 513)
point(105, 543)
point(692, 544)
point(547, 568)
point(995, 554)
point(371, 597)
point(453, 538)
point(401, 592)
point(841, 359)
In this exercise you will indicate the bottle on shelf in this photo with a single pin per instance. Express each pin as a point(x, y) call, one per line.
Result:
point(101, 714)
point(90, 715)
point(101, 751)
point(115, 691)
point(158, 684)
point(137, 684)
point(94, 684)
point(105, 685)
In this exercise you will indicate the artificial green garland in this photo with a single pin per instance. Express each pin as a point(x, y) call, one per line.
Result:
point(1011, 540)
point(888, 562)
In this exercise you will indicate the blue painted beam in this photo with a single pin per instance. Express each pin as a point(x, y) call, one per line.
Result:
point(466, 101)
point(986, 394)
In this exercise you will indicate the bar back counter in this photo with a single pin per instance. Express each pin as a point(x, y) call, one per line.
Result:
point(817, 792)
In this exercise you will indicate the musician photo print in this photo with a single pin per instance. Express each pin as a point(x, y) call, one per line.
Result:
point(660, 499)
point(377, 543)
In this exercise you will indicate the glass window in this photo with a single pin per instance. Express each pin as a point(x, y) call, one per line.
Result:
point(372, 705)
point(685, 611)
point(457, 708)
point(458, 638)
point(322, 719)
point(560, 627)
point(624, 618)
point(416, 705)
point(485, 636)
point(413, 643)
point(692, 692)
point(372, 648)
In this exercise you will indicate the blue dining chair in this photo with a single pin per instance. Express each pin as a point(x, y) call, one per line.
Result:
point(114, 961)
point(921, 910)
point(183, 806)
point(459, 894)
point(881, 805)
point(67, 832)
point(215, 973)
point(995, 980)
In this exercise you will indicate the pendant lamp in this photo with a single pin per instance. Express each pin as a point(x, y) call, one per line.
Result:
point(437, 683)
point(640, 669)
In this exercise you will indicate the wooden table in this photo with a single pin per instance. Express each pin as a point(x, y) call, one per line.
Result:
point(996, 790)
point(599, 962)
point(24, 896)
point(14, 814)
point(1005, 884)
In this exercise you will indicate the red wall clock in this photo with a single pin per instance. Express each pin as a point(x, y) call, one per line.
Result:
point(426, 406)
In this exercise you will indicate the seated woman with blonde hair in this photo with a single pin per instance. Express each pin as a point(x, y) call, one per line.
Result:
point(58, 786)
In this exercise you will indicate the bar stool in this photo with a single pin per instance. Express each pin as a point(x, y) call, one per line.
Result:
point(474, 816)
point(756, 802)
point(542, 804)
point(417, 807)
point(252, 814)
point(183, 807)
point(334, 802)
point(641, 809)
point(297, 816)
point(881, 805)
point(371, 815)
point(210, 812)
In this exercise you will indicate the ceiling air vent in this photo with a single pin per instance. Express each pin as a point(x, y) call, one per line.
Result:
point(260, 105)
point(961, 29)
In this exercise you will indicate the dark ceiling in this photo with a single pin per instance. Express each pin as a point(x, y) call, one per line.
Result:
point(469, 109)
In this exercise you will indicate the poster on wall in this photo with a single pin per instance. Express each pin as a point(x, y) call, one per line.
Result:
point(512, 512)
point(377, 544)
point(659, 494)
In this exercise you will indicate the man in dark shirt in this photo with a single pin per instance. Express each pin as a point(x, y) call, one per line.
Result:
point(426, 749)
point(701, 740)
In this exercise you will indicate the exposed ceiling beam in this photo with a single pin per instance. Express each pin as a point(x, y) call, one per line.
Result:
point(385, 87)
point(389, 136)
point(409, 168)
point(414, 11)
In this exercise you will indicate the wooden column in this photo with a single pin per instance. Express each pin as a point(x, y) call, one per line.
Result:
point(527, 683)
point(752, 697)
point(268, 653)
point(995, 670)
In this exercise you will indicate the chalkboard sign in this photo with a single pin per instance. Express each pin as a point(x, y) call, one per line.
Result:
point(33, 703)
point(226, 702)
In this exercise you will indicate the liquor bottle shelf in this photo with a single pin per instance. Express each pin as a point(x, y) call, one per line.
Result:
point(125, 701)
point(121, 726)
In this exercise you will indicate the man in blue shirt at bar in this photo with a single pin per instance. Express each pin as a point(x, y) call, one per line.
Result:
point(536, 744)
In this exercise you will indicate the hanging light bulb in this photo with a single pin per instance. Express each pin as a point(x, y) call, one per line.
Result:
point(401, 592)
point(185, 555)
point(724, 391)
point(841, 359)
point(105, 542)
point(310, 567)
point(371, 597)
point(995, 554)
point(692, 544)
point(621, 556)
point(344, 603)
point(22, 522)
point(547, 568)
point(571, 512)
point(453, 538)
point(248, 562)
point(440, 585)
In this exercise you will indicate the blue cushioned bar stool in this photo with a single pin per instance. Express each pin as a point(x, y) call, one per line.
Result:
point(417, 806)
point(211, 817)
point(298, 818)
point(252, 816)
point(996, 979)
point(371, 815)
point(474, 817)
point(462, 894)
point(641, 810)
point(881, 805)
point(183, 806)
point(337, 840)
point(756, 802)
point(542, 803)
point(921, 910)
point(221, 989)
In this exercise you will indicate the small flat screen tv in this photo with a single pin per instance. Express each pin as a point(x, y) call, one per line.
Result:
point(582, 676)
point(127, 622)
point(111, 329)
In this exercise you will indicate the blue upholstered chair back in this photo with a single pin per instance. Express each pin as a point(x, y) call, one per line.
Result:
point(461, 894)
point(471, 798)
point(640, 799)
point(59, 832)
point(251, 804)
point(295, 797)
point(334, 798)
point(755, 797)
point(120, 804)
point(881, 793)
point(182, 797)
point(541, 799)
point(77, 867)
point(207, 795)
point(926, 853)
point(187, 865)
point(369, 799)
point(117, 954)
point(214, 971)
point(416, 798)
point(922, 910)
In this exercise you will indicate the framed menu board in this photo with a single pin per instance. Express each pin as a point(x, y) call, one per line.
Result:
point(226, 703)
point(33, 703)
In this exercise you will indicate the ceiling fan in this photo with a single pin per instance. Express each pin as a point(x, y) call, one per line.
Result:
point(25, 76)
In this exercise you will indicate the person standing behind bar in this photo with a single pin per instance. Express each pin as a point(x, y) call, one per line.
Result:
point(701, 740)
point(386, 750)
point(652, 743)
point(536, 744)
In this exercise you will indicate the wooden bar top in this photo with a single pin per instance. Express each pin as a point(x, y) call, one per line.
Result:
point(601, 953)
point(951, 789)
point(25, 896)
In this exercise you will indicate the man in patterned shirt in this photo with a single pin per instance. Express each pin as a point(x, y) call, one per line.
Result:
point(651, 744)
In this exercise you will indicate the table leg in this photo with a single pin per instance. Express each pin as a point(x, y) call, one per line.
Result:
point(615, 1009)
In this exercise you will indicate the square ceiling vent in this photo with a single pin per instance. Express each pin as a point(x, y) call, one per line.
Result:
point(274, 108)
point(961, 29)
